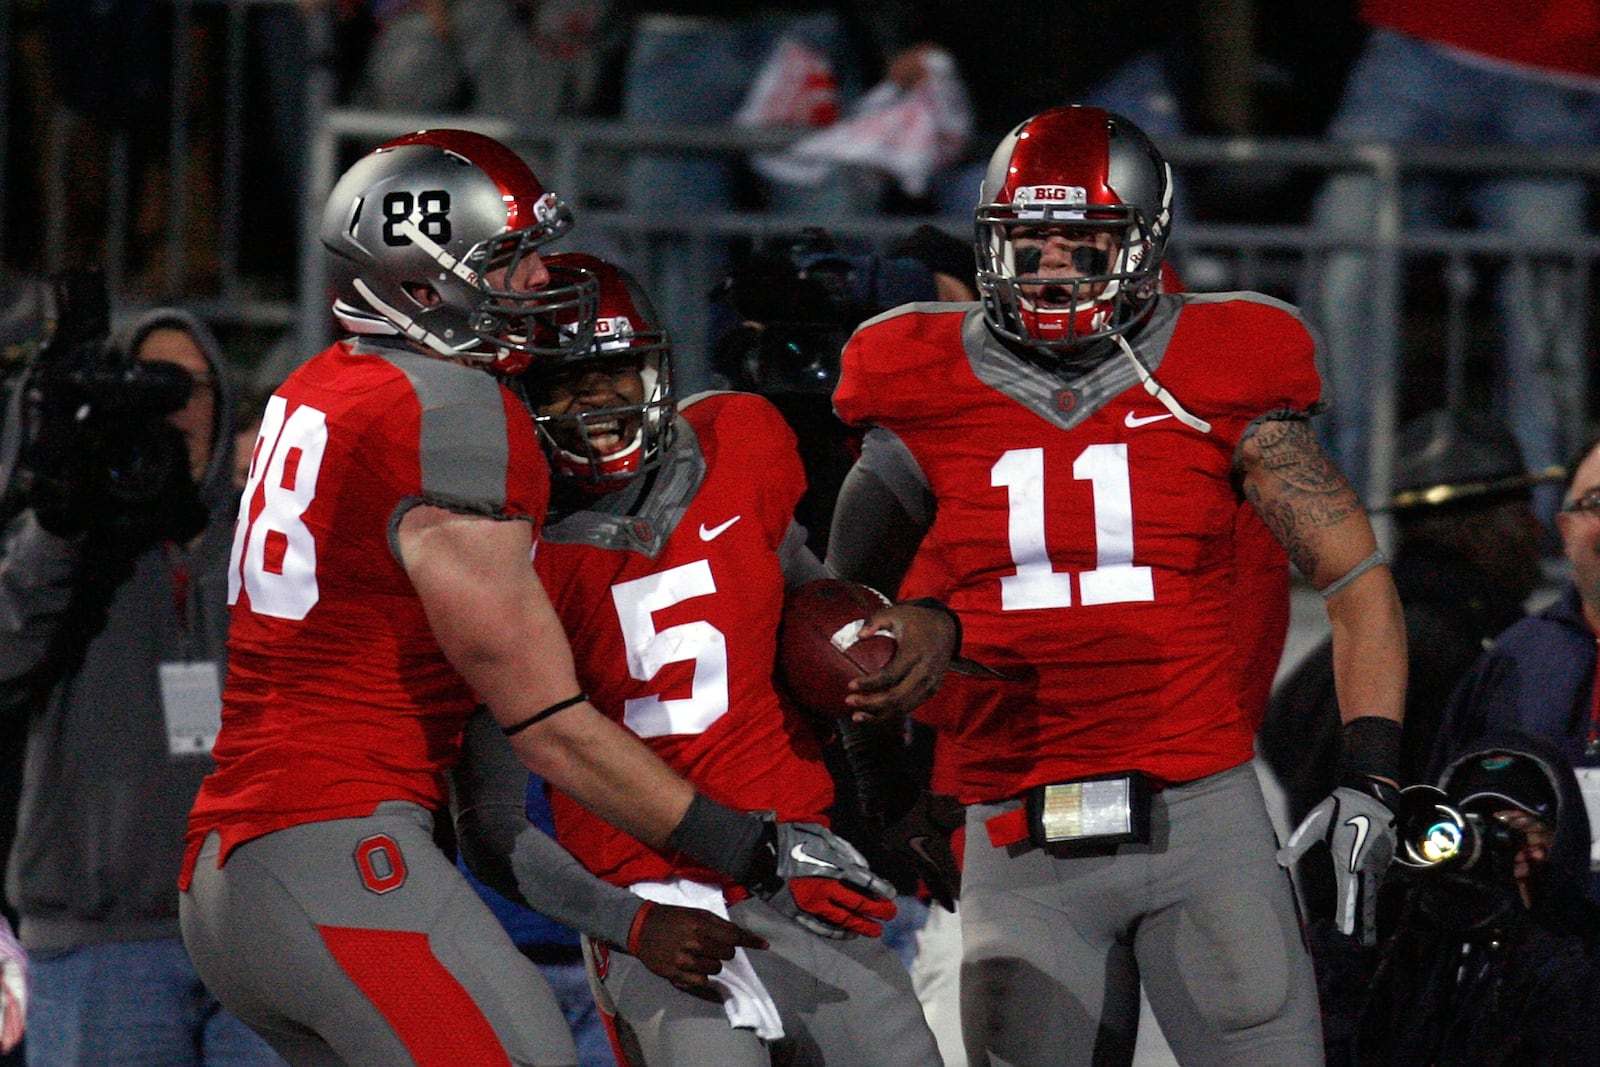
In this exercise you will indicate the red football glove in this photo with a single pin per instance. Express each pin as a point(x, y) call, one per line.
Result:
point(841, 908)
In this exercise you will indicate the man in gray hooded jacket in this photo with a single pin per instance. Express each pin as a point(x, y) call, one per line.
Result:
point(113, 623)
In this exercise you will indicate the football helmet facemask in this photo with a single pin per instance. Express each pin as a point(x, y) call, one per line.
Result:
point(415, 228)
point(627, 367)
point(1071, 227)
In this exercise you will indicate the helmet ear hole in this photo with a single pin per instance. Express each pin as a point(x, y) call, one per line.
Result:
point(423, 295)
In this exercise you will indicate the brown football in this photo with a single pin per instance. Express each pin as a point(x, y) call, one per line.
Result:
point(819, 650)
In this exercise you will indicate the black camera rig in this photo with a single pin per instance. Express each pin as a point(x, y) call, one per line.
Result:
point(84, 440)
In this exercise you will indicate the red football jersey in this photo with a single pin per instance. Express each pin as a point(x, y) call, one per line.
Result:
point(338, 697)
point(1086, 535)
point(673, 610)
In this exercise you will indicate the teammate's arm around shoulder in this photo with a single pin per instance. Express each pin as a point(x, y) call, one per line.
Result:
point(1314, 512)
point(496, 625)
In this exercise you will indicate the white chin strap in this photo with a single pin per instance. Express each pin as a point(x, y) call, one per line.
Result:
point(436, 251)
point(1157, 390)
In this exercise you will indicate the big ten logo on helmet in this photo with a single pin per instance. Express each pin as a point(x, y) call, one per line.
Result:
point(616, 329)
point(1035, 201)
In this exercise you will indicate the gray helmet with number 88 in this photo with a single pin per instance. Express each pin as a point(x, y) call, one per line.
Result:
point(416, 226)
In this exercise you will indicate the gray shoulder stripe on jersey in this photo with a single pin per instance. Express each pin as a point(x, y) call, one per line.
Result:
point(462, 447)
point(1037, 389)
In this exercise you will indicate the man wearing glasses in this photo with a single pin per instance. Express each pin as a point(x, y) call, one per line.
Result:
point(1539, 676)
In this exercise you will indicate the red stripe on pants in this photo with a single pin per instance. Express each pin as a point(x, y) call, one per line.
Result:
point(433, 1015)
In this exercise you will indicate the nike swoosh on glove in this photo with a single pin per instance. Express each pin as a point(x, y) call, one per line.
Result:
point(835, 910)
point(1358, 828)
point(806, 853)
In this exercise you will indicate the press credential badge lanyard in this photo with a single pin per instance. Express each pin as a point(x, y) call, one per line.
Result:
point(191, 698)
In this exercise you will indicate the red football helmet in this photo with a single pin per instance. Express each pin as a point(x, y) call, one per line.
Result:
point(416, 225)
point(628, 365)
point(1094, 184)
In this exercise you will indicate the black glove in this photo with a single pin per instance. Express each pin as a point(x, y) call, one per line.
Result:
point(922, 836)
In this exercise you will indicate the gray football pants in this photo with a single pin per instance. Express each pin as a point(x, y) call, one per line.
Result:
point(845, 1003)
point(356, 941)
point(1055, 948)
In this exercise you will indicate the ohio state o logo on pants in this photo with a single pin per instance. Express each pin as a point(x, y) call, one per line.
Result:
point(380, 863)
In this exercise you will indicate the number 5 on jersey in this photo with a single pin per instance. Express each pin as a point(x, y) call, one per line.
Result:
point(274, 555)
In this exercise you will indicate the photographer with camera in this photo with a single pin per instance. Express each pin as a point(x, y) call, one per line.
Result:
point(116, 520)
point(1489, 961)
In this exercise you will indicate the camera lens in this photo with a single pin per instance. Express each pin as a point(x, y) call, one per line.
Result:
point(1442, 841)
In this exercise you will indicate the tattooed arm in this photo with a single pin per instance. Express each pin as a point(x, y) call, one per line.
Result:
point(1314, 512)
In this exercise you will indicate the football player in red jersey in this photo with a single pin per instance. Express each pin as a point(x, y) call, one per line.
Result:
point(381, 589)
point(670, 543)
point(1065, 461)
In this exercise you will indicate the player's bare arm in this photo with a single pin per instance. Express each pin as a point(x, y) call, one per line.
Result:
point(1313, 511)
point(497, 627)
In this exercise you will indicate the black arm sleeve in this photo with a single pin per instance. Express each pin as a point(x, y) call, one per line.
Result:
point(884, 510)
point(515, 858)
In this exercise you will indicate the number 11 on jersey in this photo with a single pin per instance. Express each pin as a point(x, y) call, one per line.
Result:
point(1036, 584)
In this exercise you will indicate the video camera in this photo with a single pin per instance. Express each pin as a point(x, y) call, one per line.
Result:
point(85, 439)
point(1434, 835)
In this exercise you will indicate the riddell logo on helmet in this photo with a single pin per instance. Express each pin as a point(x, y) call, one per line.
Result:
point(1071, 195)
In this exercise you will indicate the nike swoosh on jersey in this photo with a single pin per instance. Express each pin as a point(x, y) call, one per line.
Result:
point(1361, 825)
point(799, 853)
point(1133, 421)
point(711, 533)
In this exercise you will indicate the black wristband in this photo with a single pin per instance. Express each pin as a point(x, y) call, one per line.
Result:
point(938, 605)
point(719, 837)
point(1369, 747)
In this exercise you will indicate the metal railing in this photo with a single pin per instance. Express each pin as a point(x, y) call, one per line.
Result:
point(1231, 254)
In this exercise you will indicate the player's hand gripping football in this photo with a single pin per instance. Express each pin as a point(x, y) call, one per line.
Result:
point(686, 945)
point(1358, 826)
point(835, 892)
point(927, 639)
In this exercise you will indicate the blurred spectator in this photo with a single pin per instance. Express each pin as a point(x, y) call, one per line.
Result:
point(1539, 677)
point(892, 141)
point(1468, 559)
point(525, 60)
point(1435, 72)
point(694, 63)
point(112, 71)
point(113, 593)
point(13, 989)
